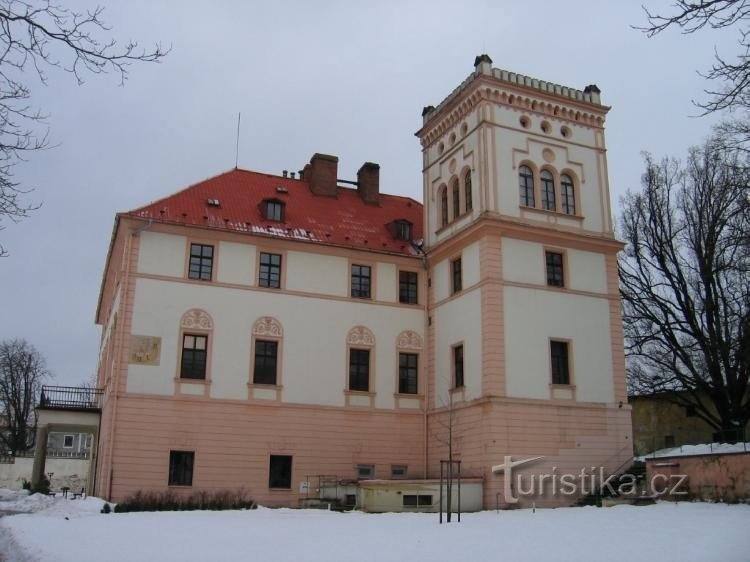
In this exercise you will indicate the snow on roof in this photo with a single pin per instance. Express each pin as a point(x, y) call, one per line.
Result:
point(234, 201)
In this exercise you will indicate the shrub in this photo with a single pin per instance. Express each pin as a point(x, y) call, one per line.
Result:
point(106, 508)
point(26, 484)
point(169, 501)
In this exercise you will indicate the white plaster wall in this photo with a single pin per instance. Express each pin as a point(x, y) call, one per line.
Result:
point(386, 283)
point(470, 265)
point(441, 280)
point(523, 262)
point(161, 254)
point(455, 321)
point(587, 271)
point(72, 473)
point(314, 362)
point(236, 263)
point(317, 273)
point(532, 317)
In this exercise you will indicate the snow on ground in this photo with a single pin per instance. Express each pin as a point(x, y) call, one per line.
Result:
point(74, 530)
point(702, 449)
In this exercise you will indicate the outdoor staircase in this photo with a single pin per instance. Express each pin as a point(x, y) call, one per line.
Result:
point(635, 472)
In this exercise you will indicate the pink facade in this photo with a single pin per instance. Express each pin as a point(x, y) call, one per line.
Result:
point(713, 477)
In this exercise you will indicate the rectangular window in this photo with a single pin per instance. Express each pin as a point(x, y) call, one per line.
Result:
point(398, 471)
point(555, 273)
point(365, 472)
point(270, 270)
point(456, 275)
point(458, 366)
point(201, 262)
point(280, 472)
point(559, 361)
point(417, 500)
point(194, 353)
point(265, 362)
point(403, 230)
point(274, 210)
point(407, 373)
point(669, 440)
point(408, 288)
point(181, 468)
point(359, 369)
point(68, 441)
point(361, 275)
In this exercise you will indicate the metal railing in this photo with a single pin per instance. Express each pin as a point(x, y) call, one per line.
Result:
point(71, 398)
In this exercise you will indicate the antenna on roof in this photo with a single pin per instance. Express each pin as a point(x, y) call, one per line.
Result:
point(237, 148)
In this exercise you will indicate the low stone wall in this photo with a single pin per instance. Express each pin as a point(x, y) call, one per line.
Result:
point(711, 477)
point(65, 472)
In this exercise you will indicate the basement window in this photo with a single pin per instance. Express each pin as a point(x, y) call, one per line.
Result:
point(365, 471)
point(417, 500)
point(398, 471)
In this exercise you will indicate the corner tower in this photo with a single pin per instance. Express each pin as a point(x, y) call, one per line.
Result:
point(524, 326)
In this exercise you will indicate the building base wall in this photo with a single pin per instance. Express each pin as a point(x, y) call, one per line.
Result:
point(567, 437)
point(233, 441)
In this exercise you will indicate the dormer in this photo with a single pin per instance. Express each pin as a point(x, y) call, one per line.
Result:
point(273, 210)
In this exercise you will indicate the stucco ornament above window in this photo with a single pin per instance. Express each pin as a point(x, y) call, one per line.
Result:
point(268, 326)
point(409, 339)
point(359, 335)
point(197, 318)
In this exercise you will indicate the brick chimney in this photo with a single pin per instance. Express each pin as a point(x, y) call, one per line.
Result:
point(368, 182)
point(321, 174)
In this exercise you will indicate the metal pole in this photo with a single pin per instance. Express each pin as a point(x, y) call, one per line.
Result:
point(441, 492)
point(459, 491)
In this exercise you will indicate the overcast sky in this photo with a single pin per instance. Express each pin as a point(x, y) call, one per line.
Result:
point(347, 78)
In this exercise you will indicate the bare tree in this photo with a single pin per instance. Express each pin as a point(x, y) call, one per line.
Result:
point(36, 36)
point(731, 75)
point(685, 283)
point(22, 371)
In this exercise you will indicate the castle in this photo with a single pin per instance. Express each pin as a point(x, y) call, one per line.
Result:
point(258, 329)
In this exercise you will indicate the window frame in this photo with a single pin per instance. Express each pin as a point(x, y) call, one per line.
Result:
point(456, 198)
point(566, 199)
point(468, 193)
point(268, 204)
point(404, 230)
point(370, 279)
point(563, 266)
point(443, 197)
point(362, 466)
point(568, 371)
point(524, 196)
point(457, 276)
point(408, 354)
point(184, 333)
point(544, 183)
point(290, 477)
point(171, 476)
point(266, 342)
point(189, 260)
point(355, 350)
point(399, 467)
point(454, 367)
point(261, 265)
point(401, 284)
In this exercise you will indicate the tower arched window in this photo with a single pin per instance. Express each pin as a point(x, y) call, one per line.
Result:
point(548, 190)
point(526, 186)
point(443, 207)
point(467, 190)
point(567, 194)
point(456, 199)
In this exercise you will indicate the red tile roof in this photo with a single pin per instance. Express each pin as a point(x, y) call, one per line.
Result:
point(345, 220)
